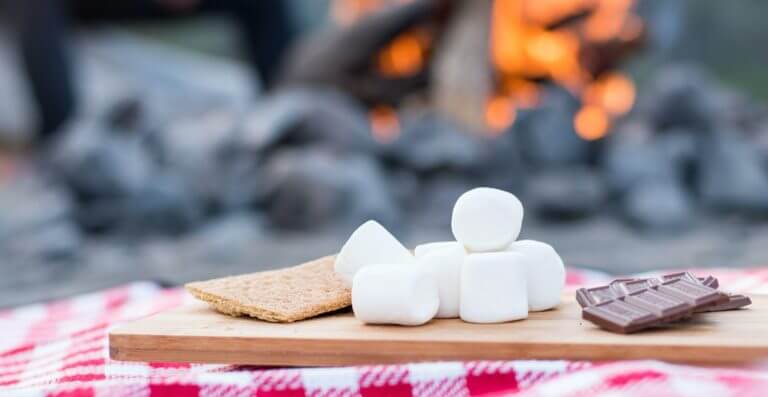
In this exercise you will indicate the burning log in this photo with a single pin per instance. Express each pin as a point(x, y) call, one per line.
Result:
point(462, 76)
point(479, 61)
point(343, 57)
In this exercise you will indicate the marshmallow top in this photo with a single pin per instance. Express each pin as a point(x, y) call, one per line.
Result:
point(426, 248)
point(487, 219)
point(370, 244)
point(394, 294)
point(545, 273)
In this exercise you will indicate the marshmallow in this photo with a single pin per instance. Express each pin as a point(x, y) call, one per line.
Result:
point(370, 244)
point(394, 294)
point(493, 288)
point(486, 219)
point(444, 261)
point(545, 273)
point(423, 249)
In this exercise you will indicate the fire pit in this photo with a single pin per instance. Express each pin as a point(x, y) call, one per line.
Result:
point(390, 114)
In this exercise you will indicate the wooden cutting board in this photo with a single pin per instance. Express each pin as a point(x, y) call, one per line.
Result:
point(195, 333)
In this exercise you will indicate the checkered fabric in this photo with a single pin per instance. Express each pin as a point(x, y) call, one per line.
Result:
point(60, 349)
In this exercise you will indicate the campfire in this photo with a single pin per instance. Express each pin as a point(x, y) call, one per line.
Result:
point(480, 62)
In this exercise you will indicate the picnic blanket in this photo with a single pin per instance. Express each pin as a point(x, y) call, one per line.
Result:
point(60, 349)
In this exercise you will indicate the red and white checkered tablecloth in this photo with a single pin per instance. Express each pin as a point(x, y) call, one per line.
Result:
point(60, 349)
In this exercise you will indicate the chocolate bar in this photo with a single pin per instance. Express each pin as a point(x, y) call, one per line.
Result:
point(734, 301)
point(727, 301)
point(631, 305)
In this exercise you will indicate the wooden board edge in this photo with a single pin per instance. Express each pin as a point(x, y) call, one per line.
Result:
point(285, 352)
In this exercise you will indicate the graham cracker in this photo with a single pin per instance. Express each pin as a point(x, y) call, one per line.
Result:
point(284, 295)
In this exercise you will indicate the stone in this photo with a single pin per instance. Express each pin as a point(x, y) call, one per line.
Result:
point(566, 193)
point(225, 238)
point(96, 161)
point(429, 142)
point(30, 201)
point(632, 156)
point(731, 175)
point(660, 206)
point(303, 116)
point(165, 206)
point(682, 97)
point(197, 147)
point(503, 166)
point(432, 204)
point(309, 188)
point(36, 221)
point(546, 133)
point(55, 241)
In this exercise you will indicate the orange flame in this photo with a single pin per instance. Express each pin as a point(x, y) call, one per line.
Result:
point(385, 125)
point(404, 56)
point(591, 122)
point(522, 48)
point(499, 113)
point(530, 40)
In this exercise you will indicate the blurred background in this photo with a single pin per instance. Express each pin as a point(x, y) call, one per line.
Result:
point(176, 140)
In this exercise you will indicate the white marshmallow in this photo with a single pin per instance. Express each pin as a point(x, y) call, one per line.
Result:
point(486, 219)
point(493, 288)
point(394, 294)
point(444, 262)
point(545, 273)
point(423, 249)
point(370, 244)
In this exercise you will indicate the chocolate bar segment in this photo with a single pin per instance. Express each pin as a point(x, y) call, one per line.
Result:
point(734, 301)
point(662, 306)
point(618, 316)
point(630, 305)
point(710, 282)
point(695, 294)
point(593, 296)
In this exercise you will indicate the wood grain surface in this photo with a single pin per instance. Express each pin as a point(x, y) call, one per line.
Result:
point(195, 333)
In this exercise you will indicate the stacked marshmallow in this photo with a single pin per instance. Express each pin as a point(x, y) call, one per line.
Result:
point(485, 276)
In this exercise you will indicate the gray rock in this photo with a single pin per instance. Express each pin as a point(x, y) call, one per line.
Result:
point(566, 193)
point(166, 205)
point(661, 205)
point(308, 188)
point(36, 218)
point(501, 164)
point(97, 161)
point(29, 201)
point(197, 147)
point(546, 133)
point(680, 147)
point(682, 96)
point(436, 199)
point(632, 156)
point(731, 176)
point(60, 240)
point(299, 117)
point(429, 142)
point(226, 238)
point(405, 186)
